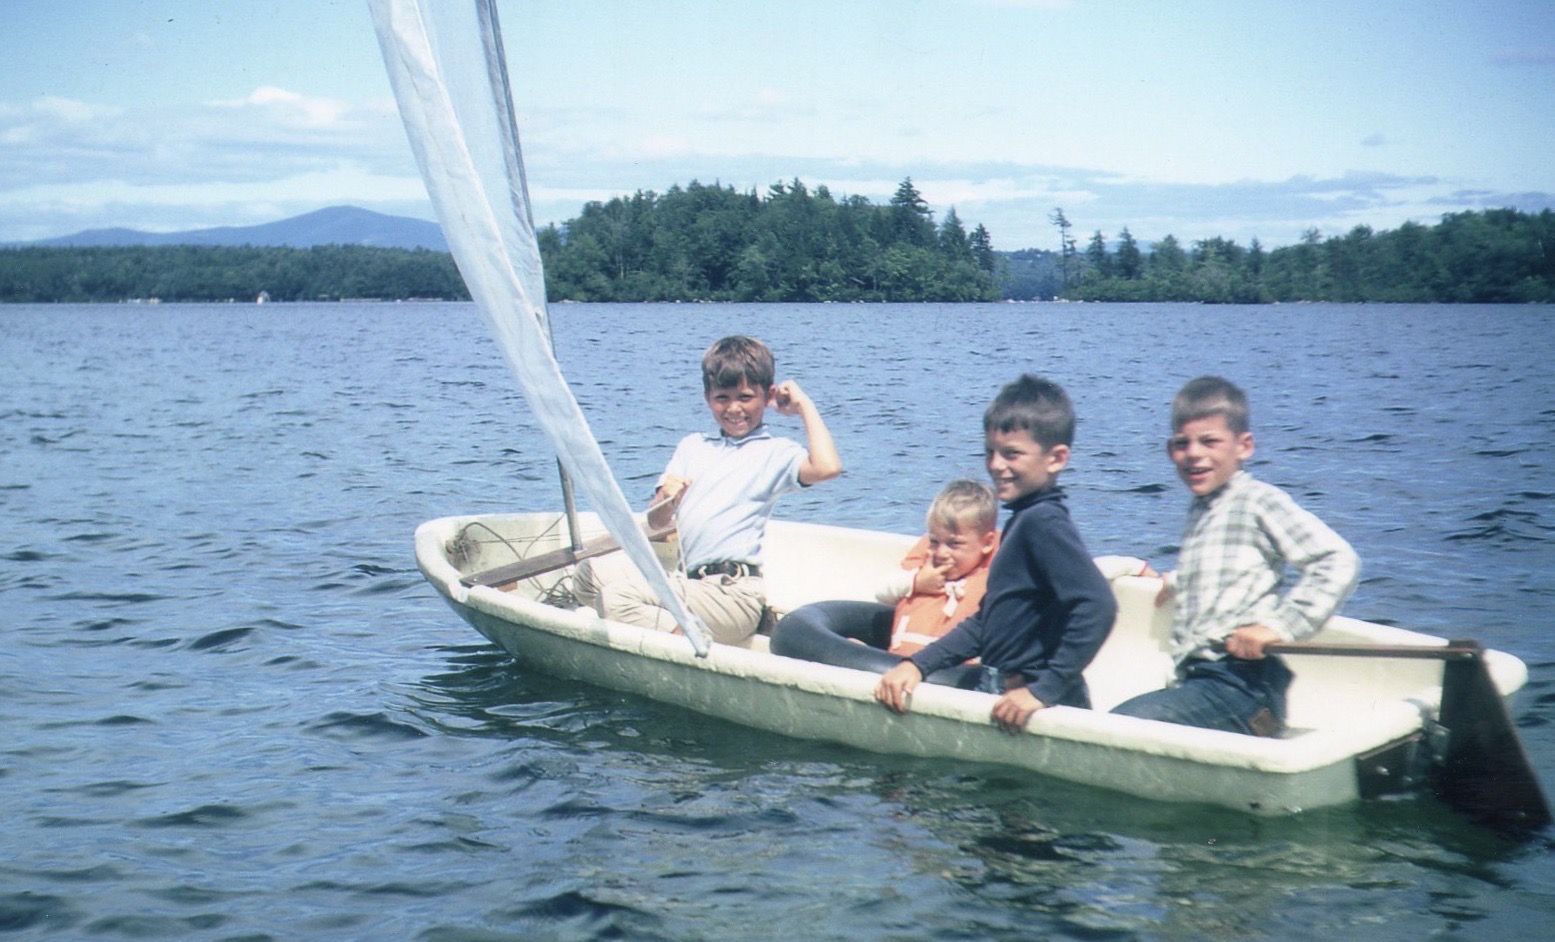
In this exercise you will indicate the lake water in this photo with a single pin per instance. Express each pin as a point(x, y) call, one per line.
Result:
point(233, 710)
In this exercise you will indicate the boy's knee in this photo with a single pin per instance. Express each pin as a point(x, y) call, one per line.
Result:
point(585, 585)
point(618, 602)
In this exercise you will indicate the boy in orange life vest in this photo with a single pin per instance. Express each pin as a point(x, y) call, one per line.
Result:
point(913, 607)
point(945, 574)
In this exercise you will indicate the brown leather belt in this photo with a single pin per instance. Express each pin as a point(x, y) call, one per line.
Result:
point(995, 680)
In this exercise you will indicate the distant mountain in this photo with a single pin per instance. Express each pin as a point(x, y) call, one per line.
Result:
point(338, 225)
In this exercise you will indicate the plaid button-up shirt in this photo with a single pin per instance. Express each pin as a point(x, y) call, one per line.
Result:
point(1231, 571)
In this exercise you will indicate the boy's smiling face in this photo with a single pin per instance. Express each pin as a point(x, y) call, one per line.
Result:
point(1207, 453)
point(738, 409)
point(1018, 465)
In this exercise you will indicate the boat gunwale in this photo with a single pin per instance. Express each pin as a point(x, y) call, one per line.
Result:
point(1306, 751)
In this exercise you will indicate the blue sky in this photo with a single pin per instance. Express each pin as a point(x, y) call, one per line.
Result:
point(1197, 118)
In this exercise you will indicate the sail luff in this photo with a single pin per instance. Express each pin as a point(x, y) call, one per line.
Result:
point(446, 66)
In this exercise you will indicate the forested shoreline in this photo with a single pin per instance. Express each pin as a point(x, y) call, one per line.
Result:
point(713, 243)
point(225, 273)
point(1497, 256)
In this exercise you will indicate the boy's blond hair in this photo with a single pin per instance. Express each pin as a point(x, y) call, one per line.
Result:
point(1211, 395)
point(964, 502)
point(736, 359)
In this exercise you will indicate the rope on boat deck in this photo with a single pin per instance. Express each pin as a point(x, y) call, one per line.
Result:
point(463, 540)
point(557, 592)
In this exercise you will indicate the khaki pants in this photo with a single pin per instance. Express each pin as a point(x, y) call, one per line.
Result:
point(730, 606)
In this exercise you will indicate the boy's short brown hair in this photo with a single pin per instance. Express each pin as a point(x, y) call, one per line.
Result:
point(736, 359)
point(1040, 406)
point(1211, 395)
point(964, 501)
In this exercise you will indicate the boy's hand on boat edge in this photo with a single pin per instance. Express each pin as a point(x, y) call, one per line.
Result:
point(1012, 710)
point(896, 686)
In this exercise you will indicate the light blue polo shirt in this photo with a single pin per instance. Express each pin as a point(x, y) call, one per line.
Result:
point(735, 484)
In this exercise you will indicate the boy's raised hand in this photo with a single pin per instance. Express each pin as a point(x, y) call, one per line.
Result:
point(788, 398)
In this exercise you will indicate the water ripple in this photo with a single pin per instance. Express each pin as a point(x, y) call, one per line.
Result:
point(233, 709)
point(28, 910)
point(205, 816)
point(366, 726)
point(220, 639)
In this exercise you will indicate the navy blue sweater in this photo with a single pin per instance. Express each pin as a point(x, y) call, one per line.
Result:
point(1047, 609)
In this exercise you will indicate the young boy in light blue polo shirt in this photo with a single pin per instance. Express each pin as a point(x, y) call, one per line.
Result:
point(718, 492)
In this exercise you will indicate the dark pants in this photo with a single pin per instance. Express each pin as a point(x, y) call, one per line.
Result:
point(1233, 695)
point(828, 632)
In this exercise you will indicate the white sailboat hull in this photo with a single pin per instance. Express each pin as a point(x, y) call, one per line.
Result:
point(1354, 720)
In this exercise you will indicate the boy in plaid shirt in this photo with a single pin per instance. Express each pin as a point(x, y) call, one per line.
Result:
point(1241, 536)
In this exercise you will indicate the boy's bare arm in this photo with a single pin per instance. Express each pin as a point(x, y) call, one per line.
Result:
point(661, 514)
point(823, 462)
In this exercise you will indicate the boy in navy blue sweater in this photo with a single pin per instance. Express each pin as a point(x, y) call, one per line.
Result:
point(1048, 608)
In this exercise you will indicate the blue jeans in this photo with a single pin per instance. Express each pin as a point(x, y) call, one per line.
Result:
point(1233, 695)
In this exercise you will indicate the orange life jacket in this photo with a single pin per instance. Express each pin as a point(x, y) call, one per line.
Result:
point(920, 619)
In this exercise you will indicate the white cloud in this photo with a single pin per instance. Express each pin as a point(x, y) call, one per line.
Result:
point(291, 110)
point(269, 135)
point(663, 145)
point(766, 105)
point(67, 165)
point(69, 110)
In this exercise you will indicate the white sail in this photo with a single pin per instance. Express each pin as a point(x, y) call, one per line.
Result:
point(445, 62)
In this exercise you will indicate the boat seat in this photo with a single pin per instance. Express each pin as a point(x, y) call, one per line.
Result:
point(1137, 656)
